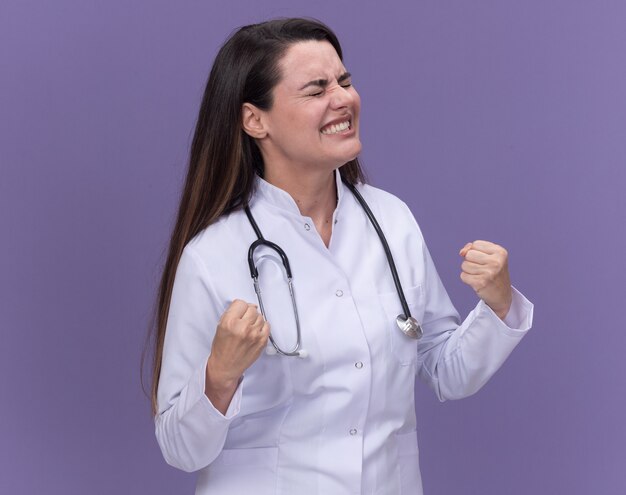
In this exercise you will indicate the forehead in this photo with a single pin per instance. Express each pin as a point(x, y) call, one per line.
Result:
point(309, 60)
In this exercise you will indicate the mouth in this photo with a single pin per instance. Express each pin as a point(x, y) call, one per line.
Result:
point(337, 127)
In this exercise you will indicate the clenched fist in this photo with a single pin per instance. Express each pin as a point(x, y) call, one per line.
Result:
point(240, 338)
point(485, 269)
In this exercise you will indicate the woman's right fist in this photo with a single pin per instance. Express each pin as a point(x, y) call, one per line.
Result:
point(241, 336)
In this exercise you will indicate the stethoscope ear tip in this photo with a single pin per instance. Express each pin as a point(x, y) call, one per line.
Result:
point(303, 353)
point(270, 351)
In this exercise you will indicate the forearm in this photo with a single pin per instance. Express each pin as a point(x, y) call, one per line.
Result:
point(192, 431)
point(218, 388)
point(460, 361)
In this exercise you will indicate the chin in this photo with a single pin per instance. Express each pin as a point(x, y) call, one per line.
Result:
point(355, 152)
point(347, 155)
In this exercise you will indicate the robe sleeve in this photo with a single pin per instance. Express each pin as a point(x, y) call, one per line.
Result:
point(456, 358)
point(190, 431)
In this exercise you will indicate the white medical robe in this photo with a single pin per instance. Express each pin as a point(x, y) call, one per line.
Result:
point(342, 420)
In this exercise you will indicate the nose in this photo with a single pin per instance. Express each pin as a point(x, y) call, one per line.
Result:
point(341, 97)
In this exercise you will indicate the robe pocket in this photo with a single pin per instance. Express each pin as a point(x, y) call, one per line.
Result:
point(403, 348)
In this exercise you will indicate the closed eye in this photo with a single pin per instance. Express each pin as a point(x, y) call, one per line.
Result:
point(343, 85)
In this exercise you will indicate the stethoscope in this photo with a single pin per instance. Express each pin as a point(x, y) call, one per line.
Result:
point(409, 325)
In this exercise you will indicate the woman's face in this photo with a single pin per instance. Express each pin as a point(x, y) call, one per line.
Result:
point(314, 118)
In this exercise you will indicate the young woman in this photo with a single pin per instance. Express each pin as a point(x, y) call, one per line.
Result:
point(316, 395)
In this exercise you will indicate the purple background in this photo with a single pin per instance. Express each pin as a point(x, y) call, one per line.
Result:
point(492, 119)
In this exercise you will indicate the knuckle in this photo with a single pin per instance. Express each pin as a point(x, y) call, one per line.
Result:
point(236, 329)
point(481, 284)
point(247, 325)
point(225, 321)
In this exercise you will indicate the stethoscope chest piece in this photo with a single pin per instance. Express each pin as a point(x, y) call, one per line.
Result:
point(409, 326)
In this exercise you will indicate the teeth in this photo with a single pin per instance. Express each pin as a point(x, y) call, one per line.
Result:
point(334, 129)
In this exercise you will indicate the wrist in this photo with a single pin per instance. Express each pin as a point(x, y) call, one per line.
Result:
point(502, 309)
point(218, 378)
point(499, 301)
point(218, 381)
point(219, 388)
point(502, 313)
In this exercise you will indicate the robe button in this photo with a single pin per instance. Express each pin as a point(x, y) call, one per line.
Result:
point(307, 226)
point(339, 293)
point(358, 365)
point(353, 431)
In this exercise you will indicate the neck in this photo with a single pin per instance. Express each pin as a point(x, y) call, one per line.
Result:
point(314, 192)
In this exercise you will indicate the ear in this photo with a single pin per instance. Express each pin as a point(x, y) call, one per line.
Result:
point(252, 121)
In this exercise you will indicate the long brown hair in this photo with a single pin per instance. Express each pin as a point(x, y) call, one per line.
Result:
point(224, 159)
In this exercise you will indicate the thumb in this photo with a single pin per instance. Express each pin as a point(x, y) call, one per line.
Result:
point(465, 249)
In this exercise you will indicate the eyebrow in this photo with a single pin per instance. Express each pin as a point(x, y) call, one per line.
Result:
point(322, 83)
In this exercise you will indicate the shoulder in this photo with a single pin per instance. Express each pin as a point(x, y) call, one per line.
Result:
point(392, 213)
point(387, 204)
point(216, 240)
point(382, 198)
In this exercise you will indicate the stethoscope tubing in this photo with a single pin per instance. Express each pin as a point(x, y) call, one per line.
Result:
point(383, 241)
point(261, 241)
point(405, 322)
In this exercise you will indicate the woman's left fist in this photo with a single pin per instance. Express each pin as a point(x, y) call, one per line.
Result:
point(485, 269)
